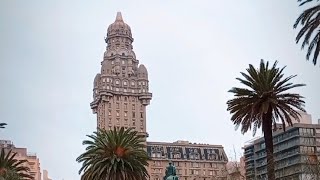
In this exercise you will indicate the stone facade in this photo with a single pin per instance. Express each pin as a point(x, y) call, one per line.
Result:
point(120, 97)
point(121, 89)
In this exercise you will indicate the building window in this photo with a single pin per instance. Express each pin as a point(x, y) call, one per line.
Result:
point(133, 107)
point(117, 89)
point(109, 105)
point(132, 90)
point(141, 115)
point(117, 81)
point(125, 114)
point(125, 105)
point(124, 90)
point(107, 79)
point(195, 164)
point(306, 131)
point(125, 83)
point(109, 113)
point(133, 114)
point(118, 120)
point(177, 156)
point(118, 114)
point(125, 98)
point(103, 80)
point(191, 156)
point(132, 83)
point(118, 106)
point(122, 60)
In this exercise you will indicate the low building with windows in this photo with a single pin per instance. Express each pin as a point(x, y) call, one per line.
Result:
point(192, 161)
point(293, 149)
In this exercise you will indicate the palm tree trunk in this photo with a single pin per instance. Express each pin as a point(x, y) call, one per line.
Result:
point(267, 132)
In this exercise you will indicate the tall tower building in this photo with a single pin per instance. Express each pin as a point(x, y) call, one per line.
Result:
point(121, 90)
point(120, 97)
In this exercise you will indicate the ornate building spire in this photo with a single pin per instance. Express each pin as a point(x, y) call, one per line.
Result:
point(121, 89)
point(119, 17)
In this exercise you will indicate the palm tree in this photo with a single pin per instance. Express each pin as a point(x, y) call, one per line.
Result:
point(2, 125)
point(262, 102)
point(114, 155)
point(11, 168)
point(310, 21)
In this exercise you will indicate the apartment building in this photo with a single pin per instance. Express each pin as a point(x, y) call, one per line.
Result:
point(293, 150)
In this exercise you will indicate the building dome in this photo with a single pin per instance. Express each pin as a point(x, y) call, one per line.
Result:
point(96, 81)
point(142, 72)
point(119, 28)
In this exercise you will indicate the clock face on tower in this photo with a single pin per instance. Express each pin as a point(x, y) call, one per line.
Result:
point(121, 89)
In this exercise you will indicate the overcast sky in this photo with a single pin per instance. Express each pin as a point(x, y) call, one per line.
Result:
point(50, 52)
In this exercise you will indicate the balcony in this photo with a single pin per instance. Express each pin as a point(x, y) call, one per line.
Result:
point(249, 159)
point(249, 151)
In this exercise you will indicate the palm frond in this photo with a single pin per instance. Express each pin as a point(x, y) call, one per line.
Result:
point(310, 21)
point(304, 2)
point(13, 166)
point(2, 125)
